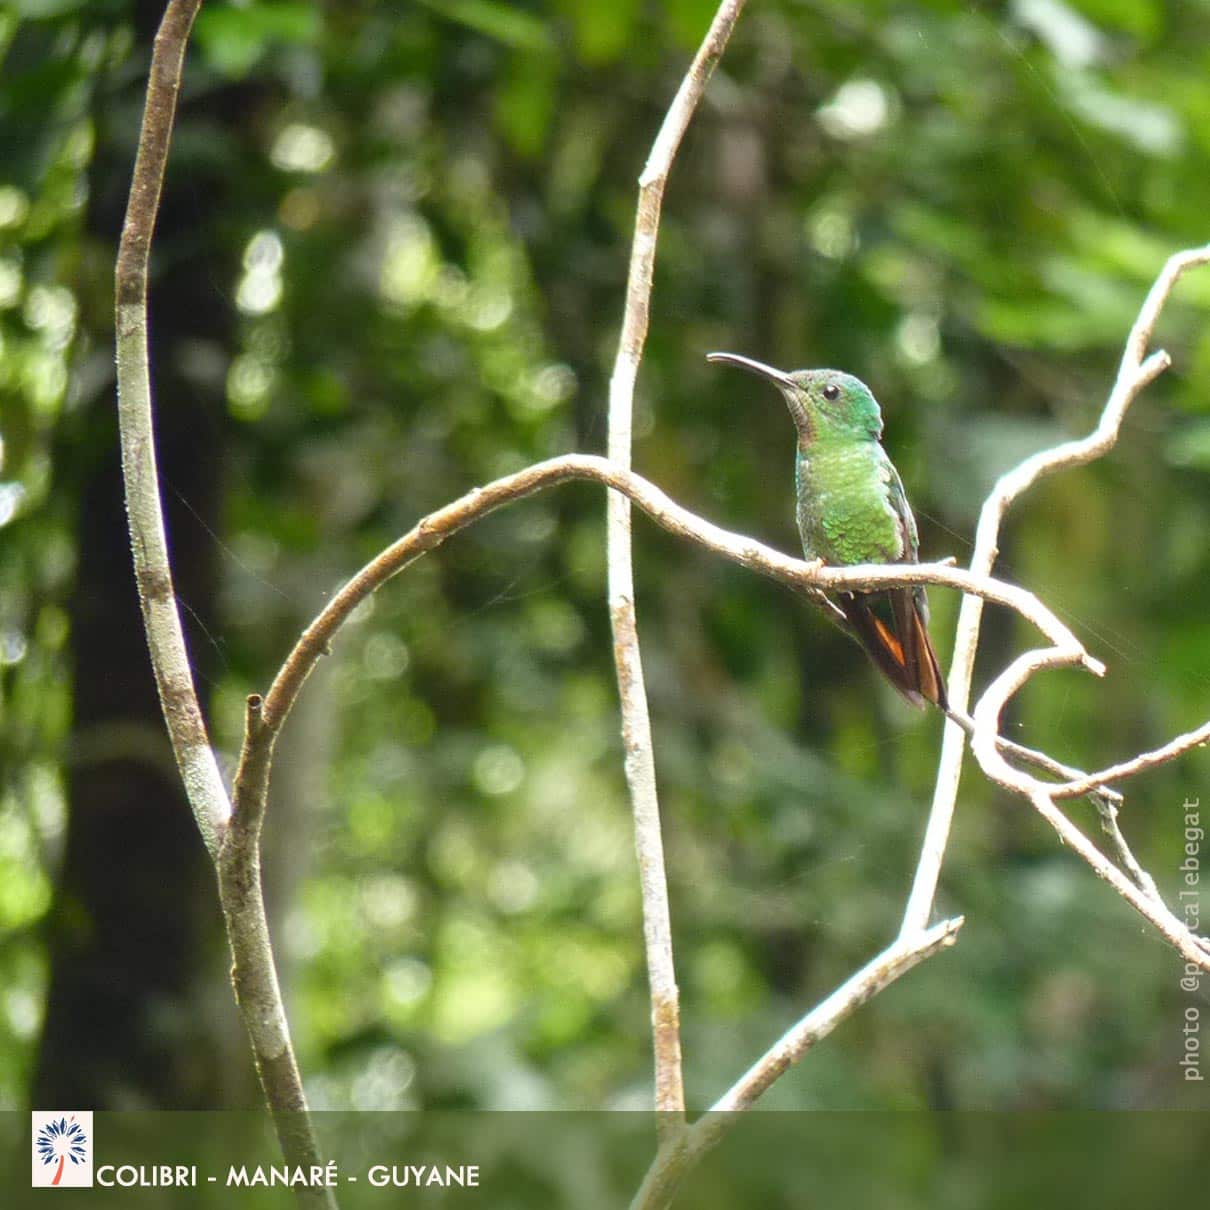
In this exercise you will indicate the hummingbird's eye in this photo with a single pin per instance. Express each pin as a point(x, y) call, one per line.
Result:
point(831, 392)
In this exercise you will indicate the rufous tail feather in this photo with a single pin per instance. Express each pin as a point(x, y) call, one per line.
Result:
point(904, 654)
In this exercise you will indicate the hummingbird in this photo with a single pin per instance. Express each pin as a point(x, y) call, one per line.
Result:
point(852, 509)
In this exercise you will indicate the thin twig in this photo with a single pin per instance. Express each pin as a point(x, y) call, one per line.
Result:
point(235, 850)
point(1100, 796)
point(1135, 371)
point(895, 961)
point(636, 722)
point(987, 714)
point(674, 1160)
point(1107, 811)
point(1139, 764)
point(1106, 801)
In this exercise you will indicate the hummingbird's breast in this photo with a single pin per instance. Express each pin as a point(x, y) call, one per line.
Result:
point(845, 513)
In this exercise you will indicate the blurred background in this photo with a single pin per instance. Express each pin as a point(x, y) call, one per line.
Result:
point(390, 266)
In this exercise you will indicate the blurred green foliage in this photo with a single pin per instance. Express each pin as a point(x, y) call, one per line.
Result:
point(962, 204)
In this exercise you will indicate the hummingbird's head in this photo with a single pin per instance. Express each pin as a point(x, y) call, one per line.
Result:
point(819, 400)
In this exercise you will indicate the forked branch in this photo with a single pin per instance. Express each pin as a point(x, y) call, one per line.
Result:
point(1136, 370)
point(234, 850)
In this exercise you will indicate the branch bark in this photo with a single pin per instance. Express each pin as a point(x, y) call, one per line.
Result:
point(144, 510)
point(636, 721)
point(234, 850)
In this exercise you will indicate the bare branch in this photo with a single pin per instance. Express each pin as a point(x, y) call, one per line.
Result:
point(1105, 800)
point(1135, 371)
point(1041, 795)
point(858, 989)
point(677, 1157)
point(234, 850)
point(1107, 810)
point(144, 511)
point(1139, 764)
point(1189, 945)
point(1031, 756)
point(636, 722)
point(433, 530)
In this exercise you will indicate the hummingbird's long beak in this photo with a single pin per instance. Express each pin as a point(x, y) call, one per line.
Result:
point(753, 367)
point(791, 392)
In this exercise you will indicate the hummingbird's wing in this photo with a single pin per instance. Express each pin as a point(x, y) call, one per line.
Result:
point(898, 503)
point(900, 647)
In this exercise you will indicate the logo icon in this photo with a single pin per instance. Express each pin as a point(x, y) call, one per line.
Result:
point(62, 1148)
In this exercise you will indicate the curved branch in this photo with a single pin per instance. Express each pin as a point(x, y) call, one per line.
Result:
point(1135, 371)
point(144, 510)
point(431, 531)
point(983, 745)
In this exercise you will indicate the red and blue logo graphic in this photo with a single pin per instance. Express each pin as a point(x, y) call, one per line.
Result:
point(62, 1149)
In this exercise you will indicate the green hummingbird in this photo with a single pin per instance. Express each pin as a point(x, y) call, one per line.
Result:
point(852, 509)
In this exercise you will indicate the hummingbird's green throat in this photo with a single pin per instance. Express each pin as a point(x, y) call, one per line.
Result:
point(852, 509)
